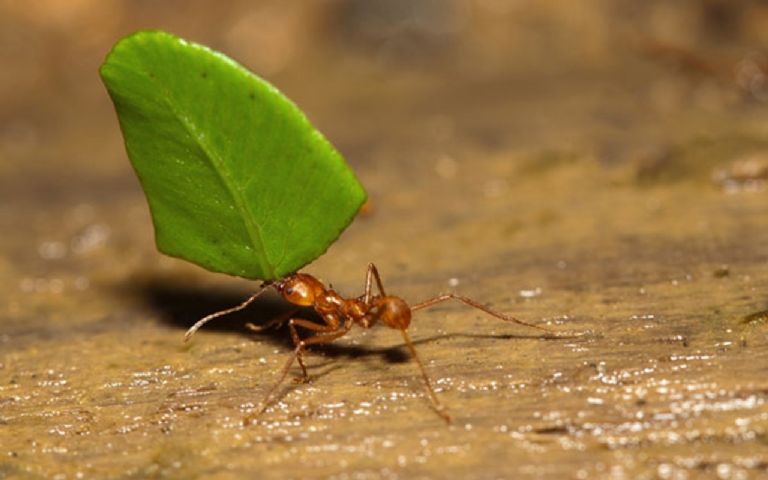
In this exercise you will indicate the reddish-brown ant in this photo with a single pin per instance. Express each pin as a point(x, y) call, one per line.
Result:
point(339, 314)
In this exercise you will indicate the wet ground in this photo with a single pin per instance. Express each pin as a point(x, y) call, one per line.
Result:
point(604, 184)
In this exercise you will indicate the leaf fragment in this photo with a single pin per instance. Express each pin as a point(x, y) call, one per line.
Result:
point(237, 179)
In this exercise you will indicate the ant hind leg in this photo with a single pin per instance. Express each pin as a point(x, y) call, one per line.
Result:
point(477, 305)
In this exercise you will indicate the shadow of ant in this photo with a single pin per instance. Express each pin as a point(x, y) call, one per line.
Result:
point(180, 306)
point(391, 355)
point(399, 354)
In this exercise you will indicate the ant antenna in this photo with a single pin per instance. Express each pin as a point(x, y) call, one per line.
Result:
point(194, 328)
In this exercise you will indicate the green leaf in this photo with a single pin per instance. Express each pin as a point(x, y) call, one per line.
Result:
point(237, 179)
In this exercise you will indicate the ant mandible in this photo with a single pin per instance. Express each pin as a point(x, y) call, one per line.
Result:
point(339, 314)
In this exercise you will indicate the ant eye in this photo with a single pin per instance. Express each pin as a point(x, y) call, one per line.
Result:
point(289, 291)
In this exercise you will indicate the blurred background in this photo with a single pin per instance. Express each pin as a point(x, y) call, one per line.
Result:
point(408, 90)
point(436, 76)
point(598, 166)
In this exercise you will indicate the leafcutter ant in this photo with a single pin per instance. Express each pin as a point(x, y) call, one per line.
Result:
point(339, 314)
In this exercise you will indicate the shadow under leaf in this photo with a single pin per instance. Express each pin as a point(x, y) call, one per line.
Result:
point(181, 305)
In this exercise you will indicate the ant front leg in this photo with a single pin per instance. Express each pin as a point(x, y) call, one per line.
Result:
point(474, 304)
point(300, 344)
point(276, 322)
point(372, 273)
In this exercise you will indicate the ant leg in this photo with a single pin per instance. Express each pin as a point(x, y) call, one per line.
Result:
point(265, 401)
point(296, 353)
point(474, 304)
point(292, 323)
point(194, 328)
point(275, 322)
point(372, 273)
point(329, 334)
point(436, 405)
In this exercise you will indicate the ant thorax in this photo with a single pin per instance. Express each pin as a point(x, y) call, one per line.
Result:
point(305, 290)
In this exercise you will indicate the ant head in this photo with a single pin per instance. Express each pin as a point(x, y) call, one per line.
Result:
point(300, 289)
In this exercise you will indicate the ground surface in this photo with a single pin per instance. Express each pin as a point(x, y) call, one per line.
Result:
point(600, 183)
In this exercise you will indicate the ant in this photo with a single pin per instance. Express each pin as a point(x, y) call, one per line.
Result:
point(339, 314)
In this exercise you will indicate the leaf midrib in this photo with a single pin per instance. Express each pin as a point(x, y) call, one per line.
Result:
point(251, 226)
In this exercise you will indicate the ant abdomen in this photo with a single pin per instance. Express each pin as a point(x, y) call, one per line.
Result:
point(393, 312)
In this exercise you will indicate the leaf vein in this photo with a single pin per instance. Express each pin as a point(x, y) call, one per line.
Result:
point(219, 166)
